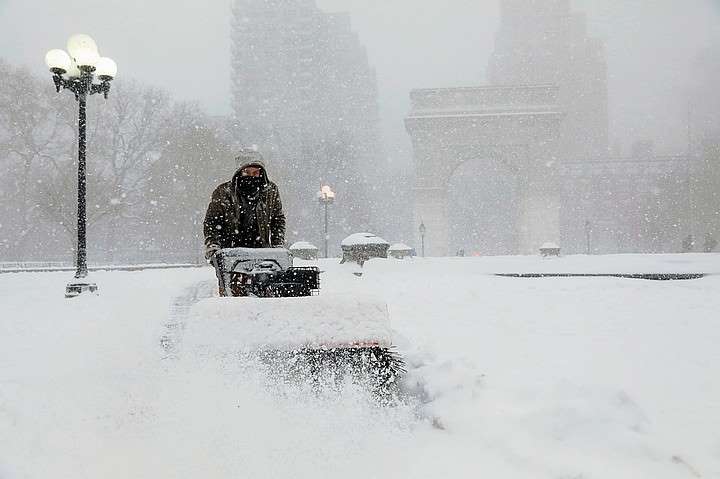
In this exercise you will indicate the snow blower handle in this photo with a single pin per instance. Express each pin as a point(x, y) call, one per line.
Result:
point(219, 265)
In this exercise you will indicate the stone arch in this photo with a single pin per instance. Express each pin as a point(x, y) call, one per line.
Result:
point(517, 126)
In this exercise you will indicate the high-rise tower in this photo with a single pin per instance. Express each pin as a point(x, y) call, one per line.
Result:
point(303, 91)
point(543, 41)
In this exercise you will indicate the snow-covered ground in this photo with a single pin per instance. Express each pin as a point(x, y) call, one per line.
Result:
point(508, 378)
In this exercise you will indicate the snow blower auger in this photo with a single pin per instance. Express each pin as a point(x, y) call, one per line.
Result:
point(273, 311)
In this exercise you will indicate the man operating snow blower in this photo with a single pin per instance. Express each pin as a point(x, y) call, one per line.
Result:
point(245, 212)
point(281, 317)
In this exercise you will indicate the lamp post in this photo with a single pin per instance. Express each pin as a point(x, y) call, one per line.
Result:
point(326, 196)
point(76, 70)
point(587, 235)
point(422, 237)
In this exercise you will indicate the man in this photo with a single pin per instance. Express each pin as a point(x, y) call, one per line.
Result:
point(245, 211)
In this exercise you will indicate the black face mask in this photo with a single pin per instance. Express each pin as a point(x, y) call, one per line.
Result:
point(250, 185)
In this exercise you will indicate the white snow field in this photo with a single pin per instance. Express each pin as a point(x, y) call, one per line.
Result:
point(563, 378)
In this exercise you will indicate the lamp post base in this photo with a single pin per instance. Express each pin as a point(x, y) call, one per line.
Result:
point(77, 288)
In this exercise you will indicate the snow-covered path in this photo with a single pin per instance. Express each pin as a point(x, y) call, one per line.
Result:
point(555, 377)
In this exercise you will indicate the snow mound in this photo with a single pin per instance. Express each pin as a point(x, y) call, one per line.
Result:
point(400, 247)
point(251, 324)
point(363, 239)
point(303, 245)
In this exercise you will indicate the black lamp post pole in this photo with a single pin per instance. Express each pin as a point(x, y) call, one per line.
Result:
point(422, 230)
point(76, 70)
point(326, 228)
point(81, 260)
point(326, 196)
point(587, 236)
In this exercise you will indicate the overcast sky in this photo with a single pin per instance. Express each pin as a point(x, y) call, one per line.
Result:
point(183, 46)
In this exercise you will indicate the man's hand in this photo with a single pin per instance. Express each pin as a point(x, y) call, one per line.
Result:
point(210, 252)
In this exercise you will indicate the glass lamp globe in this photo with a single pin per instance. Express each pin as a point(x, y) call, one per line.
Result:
point(327, 192)
point(80, 41)
point(73, 71)
point(106, 68)
point(58, 61)
point(86, 58)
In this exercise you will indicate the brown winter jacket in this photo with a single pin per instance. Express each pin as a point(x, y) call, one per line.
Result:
point(223, 220)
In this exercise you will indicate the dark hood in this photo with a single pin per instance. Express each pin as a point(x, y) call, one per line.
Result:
point(250, 163)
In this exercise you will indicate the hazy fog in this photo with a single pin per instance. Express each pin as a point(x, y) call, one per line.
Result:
point(183, 46)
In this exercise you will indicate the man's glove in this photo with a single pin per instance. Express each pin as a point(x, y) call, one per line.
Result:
point(210, 252)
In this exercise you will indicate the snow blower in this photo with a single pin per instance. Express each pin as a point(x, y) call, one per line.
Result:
point(273, 311)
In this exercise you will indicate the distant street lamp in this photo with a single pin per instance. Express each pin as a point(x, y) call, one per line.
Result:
point(422, 237)
point(76, 70)
point(587, 235)
point(326, 196)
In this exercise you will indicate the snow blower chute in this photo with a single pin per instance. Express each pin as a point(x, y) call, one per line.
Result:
point(273, 310)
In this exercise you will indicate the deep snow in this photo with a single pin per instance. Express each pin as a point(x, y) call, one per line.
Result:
point(236, 324)
point(555, 377)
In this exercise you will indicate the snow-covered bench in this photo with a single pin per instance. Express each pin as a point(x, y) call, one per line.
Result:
point(400, 251)
point(360, 247)
point(549, 249)
point(304, 250)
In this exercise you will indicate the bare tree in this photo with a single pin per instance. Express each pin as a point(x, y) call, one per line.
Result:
point(32, 128)
point(195, 159)
point(132, 129)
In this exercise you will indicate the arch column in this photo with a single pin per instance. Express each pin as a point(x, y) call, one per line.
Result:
point(538, 216)
point(538, 219)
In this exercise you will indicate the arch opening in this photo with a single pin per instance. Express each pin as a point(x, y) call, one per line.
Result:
point(483, 201)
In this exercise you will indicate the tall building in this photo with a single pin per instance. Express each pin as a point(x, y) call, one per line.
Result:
point(275, 47)
point(304, 92)
point(544, 41)
point(609, 203)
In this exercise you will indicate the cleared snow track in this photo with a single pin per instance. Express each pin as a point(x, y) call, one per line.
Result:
point(180, 307)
